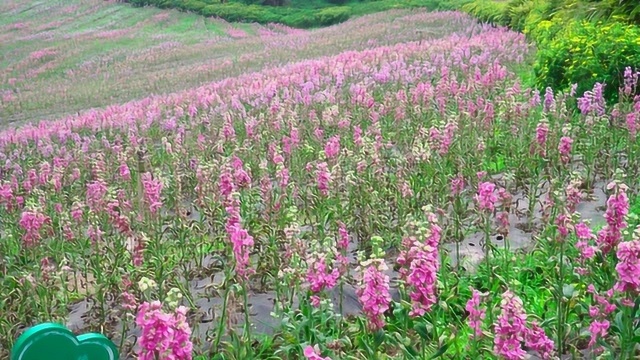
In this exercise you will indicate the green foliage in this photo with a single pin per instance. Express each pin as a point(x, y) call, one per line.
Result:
point(333, 15)
point(235, 12)
point(585, 53)
point(488, 11)
point(295, 13)
point(621, 10)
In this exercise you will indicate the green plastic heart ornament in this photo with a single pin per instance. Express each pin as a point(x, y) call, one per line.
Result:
point(51, 341)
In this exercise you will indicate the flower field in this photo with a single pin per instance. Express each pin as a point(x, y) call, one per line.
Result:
point(384, 188)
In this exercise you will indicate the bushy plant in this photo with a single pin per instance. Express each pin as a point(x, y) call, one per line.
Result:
point(488, 11)
point(235, 12)
point(332, 15)
point(584, 53)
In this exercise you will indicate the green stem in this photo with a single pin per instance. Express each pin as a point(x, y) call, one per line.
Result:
point(247, 322)
point(221, 325)
point(560, 315)
point(487, 258)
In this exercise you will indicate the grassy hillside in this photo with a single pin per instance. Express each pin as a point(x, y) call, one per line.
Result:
point(295, 13)
point(385, 188)
point(61, 57)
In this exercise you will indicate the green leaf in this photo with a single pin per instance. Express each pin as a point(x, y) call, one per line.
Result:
point(378, 338)
point(440, 351)
point(410, 350)
point(422, 330)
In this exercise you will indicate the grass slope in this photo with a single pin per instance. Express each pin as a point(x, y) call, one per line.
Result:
point(61, 57)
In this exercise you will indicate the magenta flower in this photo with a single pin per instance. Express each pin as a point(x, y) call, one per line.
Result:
point(420, 263)
point(241, 177)
point(457, 185)
point(599, 312)
point(541, 133)
point(536, 339)
point(628, 267)
point(587, 251)
point(152, 188)
point(31, 222)
point(549, 100)
point(332, 148)
point(564, 148)
point(323, 177)
point(96, 191)
point(539, 146)
point(617, 209)
point(486, 197)
point(319, 275)
point(502, 219)
point(164, 336)
point(241, 241)
point(373, 292)
point(313, 353)
point(476, 313)
point(124, 172)
point(510, 328)
point(598, 329)
point(631, 120)
point(343, 246)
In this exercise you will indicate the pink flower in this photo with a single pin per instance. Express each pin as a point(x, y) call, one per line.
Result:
point(240, 239)
point(541, 138)
point(152, 188)
point(617, 208)
point(323, 178)
point(573, 196)
point(536, 339)
point(373, 292)
point(549, 100)
point(564, 148)
point(96, 191)
point(129, 302)
point(563, 222)
point(600, 325)
point(631, 121)
point(124, 172)
point(486, 197)
point(163, 336)
point(598, 328)
point(241, 177)
point(312, 353)
point(510, 328)
point(457, 185)
point(314, 300)
point(357, 135)
point(423, 262)
point(225, 184)
point(332, 148)
point(587, 252)
point(628, 267)
point(503, 222)
point(476, 313)
point(541, 133)
point(32, 222)
point(319, 276)
point(583, 232)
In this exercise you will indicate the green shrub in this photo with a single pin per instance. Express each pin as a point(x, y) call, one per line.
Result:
point(584, 52)
point(193, 5)
point(517, 12)
point(332, 15)
point(300, 20)
point(235, 12)
point(488, 11)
